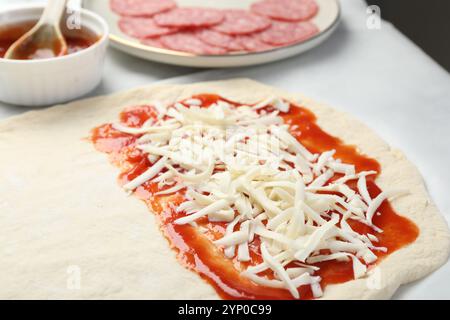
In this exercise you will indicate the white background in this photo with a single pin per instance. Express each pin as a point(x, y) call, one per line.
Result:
point(377, 75)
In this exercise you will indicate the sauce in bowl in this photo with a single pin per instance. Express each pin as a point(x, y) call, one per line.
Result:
point(77, 40)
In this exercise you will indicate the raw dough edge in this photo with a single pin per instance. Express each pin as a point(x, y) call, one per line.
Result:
point(426, 254)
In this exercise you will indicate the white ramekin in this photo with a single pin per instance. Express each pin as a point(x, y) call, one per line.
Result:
point(51, 81)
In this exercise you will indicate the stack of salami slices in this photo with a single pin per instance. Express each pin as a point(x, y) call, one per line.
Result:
point(206, 31)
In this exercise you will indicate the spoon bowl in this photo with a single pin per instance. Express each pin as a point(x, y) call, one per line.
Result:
point(44, 82)
point(45, 39)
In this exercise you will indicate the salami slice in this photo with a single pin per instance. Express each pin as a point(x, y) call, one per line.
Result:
point(190, 17)
point(287, 10)
point(242, 22)
point(141, 8)
point(188, 42)
point(143, 28)
point(285, 33)
point(252, 43)
point(218, 39)
point(153, 42)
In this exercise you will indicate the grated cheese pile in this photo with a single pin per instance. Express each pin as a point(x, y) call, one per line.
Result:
point(241, 165)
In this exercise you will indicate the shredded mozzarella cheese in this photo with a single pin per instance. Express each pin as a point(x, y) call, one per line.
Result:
point(241, 165)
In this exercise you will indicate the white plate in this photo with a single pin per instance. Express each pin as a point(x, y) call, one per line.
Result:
point(326, 20)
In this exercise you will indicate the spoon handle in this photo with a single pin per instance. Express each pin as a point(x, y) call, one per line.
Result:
point(53, 12)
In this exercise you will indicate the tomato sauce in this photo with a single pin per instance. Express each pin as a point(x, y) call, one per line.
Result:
point(196, 250)
point(76, 40)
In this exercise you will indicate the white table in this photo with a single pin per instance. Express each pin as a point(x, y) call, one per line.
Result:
point(377, 75)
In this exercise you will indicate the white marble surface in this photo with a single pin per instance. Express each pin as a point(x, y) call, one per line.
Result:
point(377, 75)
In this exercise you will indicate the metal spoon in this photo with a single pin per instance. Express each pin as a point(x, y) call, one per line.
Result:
point(45, 39)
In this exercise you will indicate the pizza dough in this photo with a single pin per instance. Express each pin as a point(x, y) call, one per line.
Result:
point(69, 231)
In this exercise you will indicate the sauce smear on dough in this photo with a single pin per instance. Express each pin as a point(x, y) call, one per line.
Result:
point(196, 250)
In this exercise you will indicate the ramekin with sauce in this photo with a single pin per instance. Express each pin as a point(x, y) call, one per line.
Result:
point(41, 81)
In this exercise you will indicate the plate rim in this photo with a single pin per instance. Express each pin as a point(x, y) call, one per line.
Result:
point(121, 42)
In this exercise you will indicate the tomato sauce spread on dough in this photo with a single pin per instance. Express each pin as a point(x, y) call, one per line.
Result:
point(196, 250)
